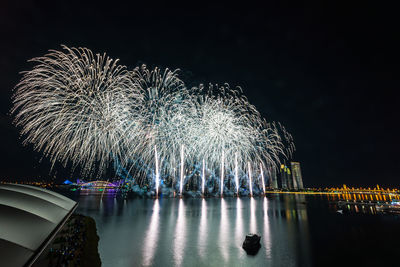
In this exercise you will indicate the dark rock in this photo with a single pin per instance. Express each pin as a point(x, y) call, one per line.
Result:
point(252, 244)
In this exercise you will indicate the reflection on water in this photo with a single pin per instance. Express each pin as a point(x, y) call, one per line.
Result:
point(180, 235)
point(203, 229)
point(239, 232)
point(150, 243)
point(266, 237)
point(200, 232)
point(224, 231)
point(253, 221)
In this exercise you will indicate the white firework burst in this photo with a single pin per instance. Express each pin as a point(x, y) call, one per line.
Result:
point(73, 106)
point(162, 95)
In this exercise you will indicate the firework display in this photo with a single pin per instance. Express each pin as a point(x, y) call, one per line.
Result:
point(73, 106)
point(87, 110)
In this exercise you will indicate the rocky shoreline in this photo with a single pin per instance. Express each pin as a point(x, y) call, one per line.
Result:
point(75, 245)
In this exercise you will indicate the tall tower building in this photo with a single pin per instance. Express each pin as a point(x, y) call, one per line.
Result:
point(296, 172)
point(294, 181)
point(273, 178)
point(289, 177)
point(283, 177)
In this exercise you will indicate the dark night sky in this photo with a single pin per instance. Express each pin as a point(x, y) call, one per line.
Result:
point(328, 73)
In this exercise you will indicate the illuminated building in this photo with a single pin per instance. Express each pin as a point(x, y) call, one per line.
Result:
point(274, 179)
point(283, 177)
point(294, 181)
point(297, 174)
point(289, 177)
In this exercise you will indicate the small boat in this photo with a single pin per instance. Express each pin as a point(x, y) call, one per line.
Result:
point(252, 244)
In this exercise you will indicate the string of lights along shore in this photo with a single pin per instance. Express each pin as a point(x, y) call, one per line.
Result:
point(87, 111)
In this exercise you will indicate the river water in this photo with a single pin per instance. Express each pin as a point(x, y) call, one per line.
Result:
point(296, 230)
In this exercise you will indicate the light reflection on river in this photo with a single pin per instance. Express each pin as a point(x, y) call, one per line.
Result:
point(203, 230)
point(180, 235)
point(150, 243)
point(199, 232)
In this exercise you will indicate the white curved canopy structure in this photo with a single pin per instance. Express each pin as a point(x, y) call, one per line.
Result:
point(29, 218)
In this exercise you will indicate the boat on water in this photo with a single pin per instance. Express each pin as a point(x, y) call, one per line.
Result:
point(252, 244)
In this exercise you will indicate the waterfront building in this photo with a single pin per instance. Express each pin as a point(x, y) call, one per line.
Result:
point(289, 177)
point(274, 179)
point(296, 172)
point(295, 184)
point(283, 177)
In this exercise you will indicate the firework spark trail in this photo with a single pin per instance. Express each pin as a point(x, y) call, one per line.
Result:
point(182, 170)
point(222, 173)
point(250, 180)
point(157, 170)
point(262, 177)
point(203, 177)
point(236, 174)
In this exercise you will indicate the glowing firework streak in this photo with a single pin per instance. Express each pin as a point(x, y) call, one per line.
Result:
point(236, 175)
point(250, 181)
point(182, 158)
point(203, 177)
point(157, 172)
point(222, 173)
point(262, 177)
